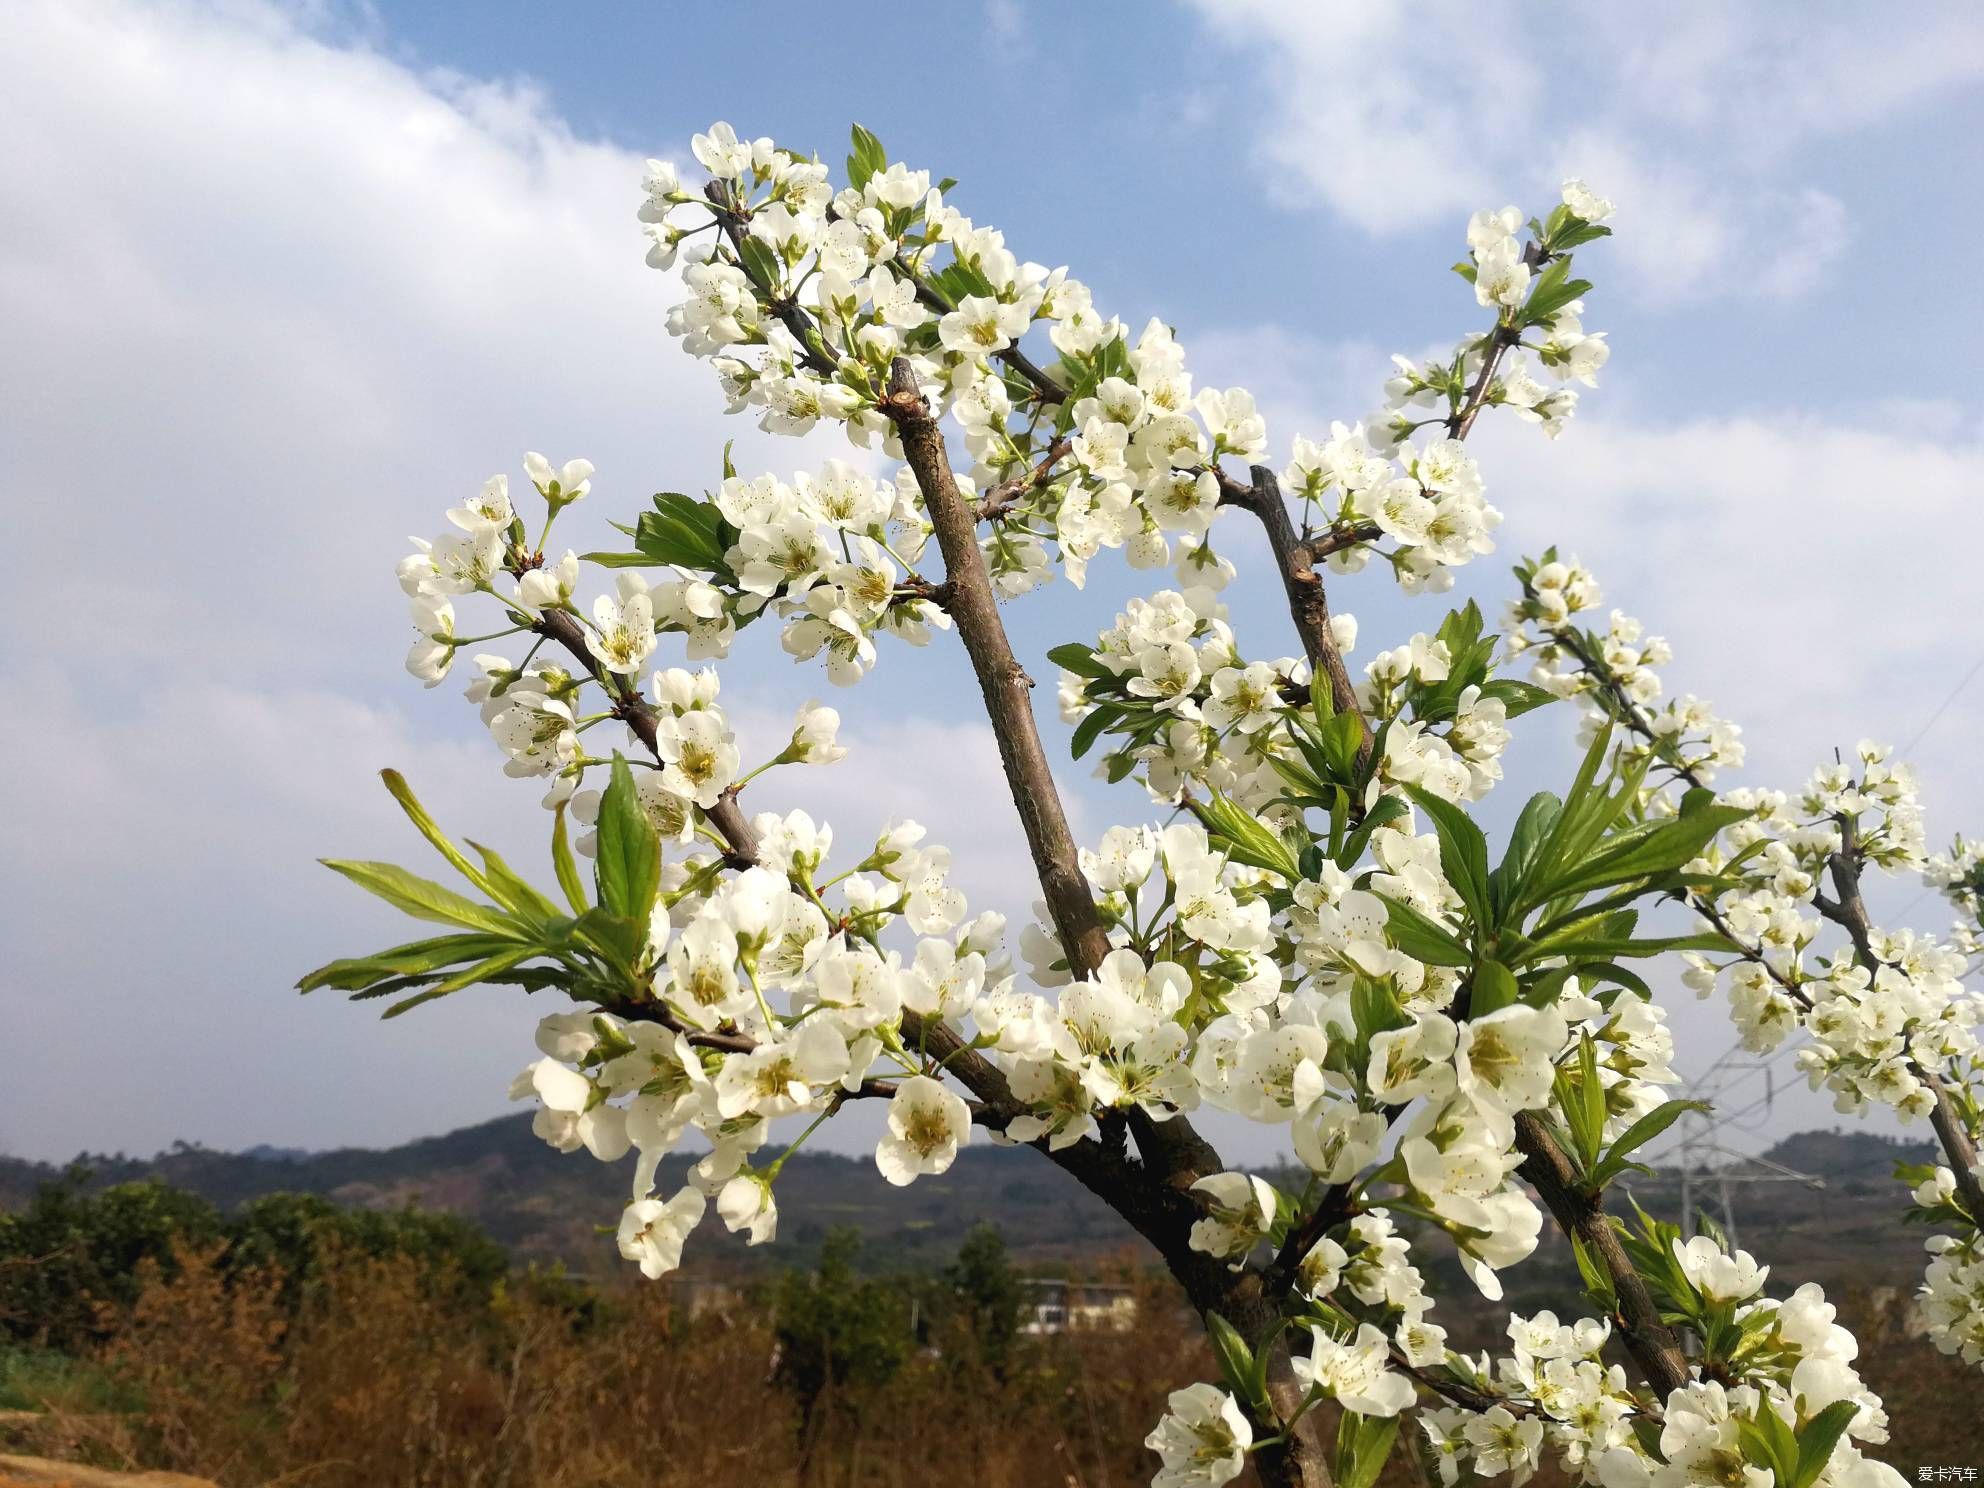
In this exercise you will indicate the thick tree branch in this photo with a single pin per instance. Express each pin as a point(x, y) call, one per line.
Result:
point(1162, 1212)
point(1173, 1147)
point(1007, 689)
point(1650, 1341)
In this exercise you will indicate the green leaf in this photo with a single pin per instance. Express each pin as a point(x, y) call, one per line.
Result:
point(511, 890)
point(1645, 1432)
point(1384, 811)
point(1373, 1009)
point(1768, 1448)
point(566, 865)
point(619, 939)
point(1552, 290)
point(1342, 734)
point(1463, 853)
point(1660, 847)
point(762, 264)
point(1243, 838)
point(1597, 1280)
point(1818, 1438)
point(417, 814)
point(1493, 988)
point(481, 971)
point(1585, 232)
point(865, 158)
point(682, 530)
point(1363, 1444)
point(1422, 938)
point(1591, 1100)
point(1639, 1134)
point(1607, 971)
point(422, 898)
point(1579, 803)
point(1236, 1363)
point(1517, 697)
point(412, 959)
point(1092, 727)
point(1526, 842)
point(627, 867)
point(1593, 942)
point(1079, 659)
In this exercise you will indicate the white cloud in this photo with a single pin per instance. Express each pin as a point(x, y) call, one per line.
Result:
point(272, 302)
point(1398, 118)
point(1811, 574)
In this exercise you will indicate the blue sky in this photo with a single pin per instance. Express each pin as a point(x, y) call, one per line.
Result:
point(284, 282)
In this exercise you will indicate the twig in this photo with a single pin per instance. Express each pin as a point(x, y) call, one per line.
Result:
point(1002, 497)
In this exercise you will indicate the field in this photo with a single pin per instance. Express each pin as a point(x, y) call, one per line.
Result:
point(225, 1328)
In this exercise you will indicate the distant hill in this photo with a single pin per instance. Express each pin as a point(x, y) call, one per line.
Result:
point(547, 1206)
point(544, 1205)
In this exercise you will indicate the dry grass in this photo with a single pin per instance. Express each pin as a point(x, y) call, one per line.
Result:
point(375, 1379)
point(378, 1377)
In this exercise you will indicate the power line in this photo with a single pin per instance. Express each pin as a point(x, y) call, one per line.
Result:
point(1943, 707)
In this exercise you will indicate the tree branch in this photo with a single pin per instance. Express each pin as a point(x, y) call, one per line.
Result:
point(1650, 1341)
point(1295, 561)
point(1045, 388)
point(1002, 497)
point(1501, 339)
point(735, 222)
point(1173, 1148)
point(1848, 911)
point(1006, 687)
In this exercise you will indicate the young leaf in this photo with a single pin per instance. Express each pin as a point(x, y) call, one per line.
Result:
point(1532, 830)
point(628, 865)
point(1493, 988)
point(1363, 1444)
point(412, 959)
point(1463, 852)
point(619, 939)
point(866, 158)
point(1384, 811)
point(481, 971)
point(1092, 728)
point(1236, 1362)
point(422, 898)
point(1423, 938)
point(511, 890)
point(566, 865)
point(1639, 1134)
point(1079, 659)
point(762, 264)
point(1243, 838)
point(417, 814)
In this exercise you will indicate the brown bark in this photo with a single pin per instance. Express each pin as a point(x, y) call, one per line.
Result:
point(1007, 689)
point(1308, 606)
point(1650, 1341)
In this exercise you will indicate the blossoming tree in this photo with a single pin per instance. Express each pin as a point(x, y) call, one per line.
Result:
point(1314, 934)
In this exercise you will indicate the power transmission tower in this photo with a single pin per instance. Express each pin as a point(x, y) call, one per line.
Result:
point(1709, 1170)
